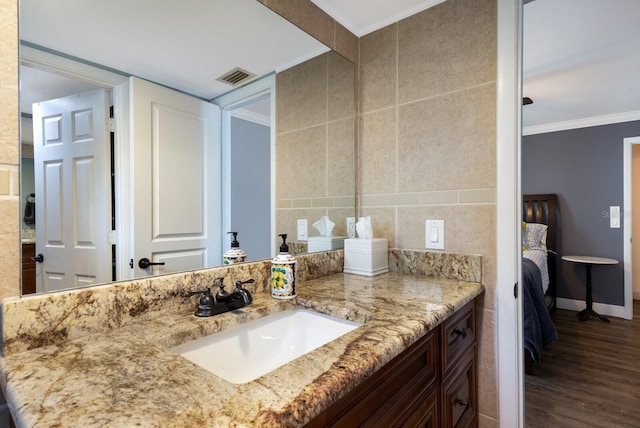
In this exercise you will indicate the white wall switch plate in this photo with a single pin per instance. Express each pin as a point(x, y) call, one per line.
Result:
point(434, 234)
point(303, 228)
point(614, 217)
point(351, 227)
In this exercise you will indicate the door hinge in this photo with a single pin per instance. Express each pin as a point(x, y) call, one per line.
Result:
point(111, 237)
point(111, 124)
point(515, 290)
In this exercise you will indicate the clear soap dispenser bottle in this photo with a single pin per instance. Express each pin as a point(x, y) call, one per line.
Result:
point(283, 273)
point(234, 254)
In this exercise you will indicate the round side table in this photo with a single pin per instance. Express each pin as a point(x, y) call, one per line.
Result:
point(588, 262)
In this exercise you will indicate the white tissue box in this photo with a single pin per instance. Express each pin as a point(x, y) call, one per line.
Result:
point(319, 243)
point(368, 257)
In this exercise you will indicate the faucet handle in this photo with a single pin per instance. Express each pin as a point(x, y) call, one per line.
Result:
point(206, 292)
point(220, 280)
point(239, 284)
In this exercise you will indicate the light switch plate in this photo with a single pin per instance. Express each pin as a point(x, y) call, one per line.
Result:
point(614, 217)
point(303, 229)
point(434, 234)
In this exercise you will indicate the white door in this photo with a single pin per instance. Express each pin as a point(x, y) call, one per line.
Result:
point(73, 191)
point(176, 180)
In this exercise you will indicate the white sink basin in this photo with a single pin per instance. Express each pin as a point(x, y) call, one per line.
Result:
point(247, 351)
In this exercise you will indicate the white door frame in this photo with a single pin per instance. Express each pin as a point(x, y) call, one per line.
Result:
point(627, 221)
point(508, 336)
point(227, 103)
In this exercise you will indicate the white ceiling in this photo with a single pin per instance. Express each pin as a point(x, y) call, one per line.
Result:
point(581, 57)
point(364, 16)
point(581, 63)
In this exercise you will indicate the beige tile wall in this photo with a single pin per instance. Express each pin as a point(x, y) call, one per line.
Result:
point(427, 122)
point(315, 143)
point(9, 151)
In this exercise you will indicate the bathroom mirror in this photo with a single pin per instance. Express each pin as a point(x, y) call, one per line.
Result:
point(314, 150)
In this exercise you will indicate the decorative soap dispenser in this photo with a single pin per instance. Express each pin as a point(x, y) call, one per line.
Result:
point(283, 273)
point(234, 254)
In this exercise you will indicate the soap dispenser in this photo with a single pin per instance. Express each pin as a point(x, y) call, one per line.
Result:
point(234, 254)
point(283, 273)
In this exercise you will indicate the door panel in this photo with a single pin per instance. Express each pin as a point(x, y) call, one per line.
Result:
point(176, 179)
point(73, 191)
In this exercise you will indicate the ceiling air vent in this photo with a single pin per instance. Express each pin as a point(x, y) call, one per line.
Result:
point(235, 76)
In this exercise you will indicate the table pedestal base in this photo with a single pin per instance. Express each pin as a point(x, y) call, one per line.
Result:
point(584, 314)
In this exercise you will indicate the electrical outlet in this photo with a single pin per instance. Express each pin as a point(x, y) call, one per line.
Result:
point(303, 227)
point(351, 227)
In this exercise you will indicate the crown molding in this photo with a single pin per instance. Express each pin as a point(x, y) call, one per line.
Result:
point(586, 122)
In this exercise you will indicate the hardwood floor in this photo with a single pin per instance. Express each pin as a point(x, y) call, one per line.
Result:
point(589, 377)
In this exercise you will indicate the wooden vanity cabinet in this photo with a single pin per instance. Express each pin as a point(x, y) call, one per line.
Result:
point(28, 269)
point(430, 384)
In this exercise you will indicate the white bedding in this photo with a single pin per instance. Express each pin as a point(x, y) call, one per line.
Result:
point(539, 257)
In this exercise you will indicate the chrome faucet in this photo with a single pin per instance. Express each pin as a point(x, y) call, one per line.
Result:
point(222, 301)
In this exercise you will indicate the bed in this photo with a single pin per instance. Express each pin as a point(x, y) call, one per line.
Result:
point(539, 233)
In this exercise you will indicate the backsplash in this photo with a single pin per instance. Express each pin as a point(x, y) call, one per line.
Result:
point(463, 267)
point(46, 319)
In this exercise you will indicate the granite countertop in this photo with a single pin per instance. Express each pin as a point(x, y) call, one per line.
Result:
point(128, 376)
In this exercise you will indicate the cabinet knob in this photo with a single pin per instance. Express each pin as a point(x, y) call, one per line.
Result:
point(460, 332)
point(465, 403)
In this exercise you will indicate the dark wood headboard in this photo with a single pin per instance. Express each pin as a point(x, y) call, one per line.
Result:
point(543, 209)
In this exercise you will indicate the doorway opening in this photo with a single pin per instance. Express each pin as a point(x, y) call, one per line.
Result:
point(248, 167)
point(41, 83)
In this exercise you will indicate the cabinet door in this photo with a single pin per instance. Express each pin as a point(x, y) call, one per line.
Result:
point(386, 398)
point(425, 414)
point(459, 400)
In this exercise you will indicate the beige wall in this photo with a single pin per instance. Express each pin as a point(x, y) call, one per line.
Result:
point(9, 151)
point(315, 143)
point(427, 118)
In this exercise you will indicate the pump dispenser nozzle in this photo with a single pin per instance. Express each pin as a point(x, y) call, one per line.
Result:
point(284, 248)
point(234, 242)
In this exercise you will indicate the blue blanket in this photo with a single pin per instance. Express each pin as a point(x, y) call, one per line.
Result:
point(539, 330)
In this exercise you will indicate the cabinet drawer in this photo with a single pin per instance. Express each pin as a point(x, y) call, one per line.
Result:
point(459, 397)
point(389, 394)
point(458, 334)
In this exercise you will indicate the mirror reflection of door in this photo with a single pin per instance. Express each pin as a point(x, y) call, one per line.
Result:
point(176, 180)
point(73, 191)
